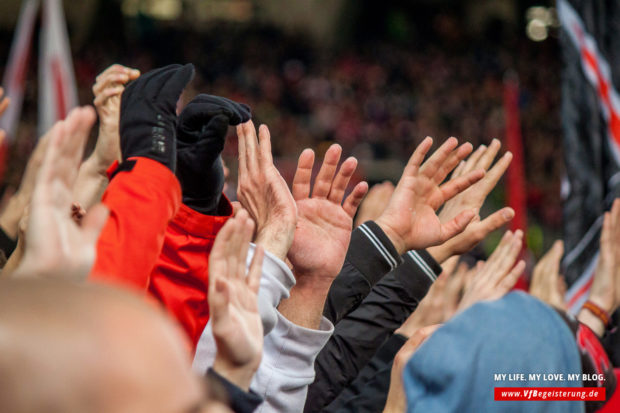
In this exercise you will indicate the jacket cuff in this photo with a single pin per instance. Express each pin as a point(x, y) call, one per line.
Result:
point(418, 263)
point(295, 348)
point(237, 399)
point(275, 284)
point(201, 225)
point(374, 255)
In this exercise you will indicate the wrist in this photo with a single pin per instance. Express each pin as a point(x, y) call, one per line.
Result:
point(396, 240)
point(276, 240)
point(605, 304)
point(439, 253)
point(241, 376)
point(593, 322)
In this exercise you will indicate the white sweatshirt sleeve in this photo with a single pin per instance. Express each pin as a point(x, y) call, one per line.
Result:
point(287, 367)
point(275, 283)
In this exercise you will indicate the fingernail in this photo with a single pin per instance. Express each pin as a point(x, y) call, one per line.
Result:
point(508, 214)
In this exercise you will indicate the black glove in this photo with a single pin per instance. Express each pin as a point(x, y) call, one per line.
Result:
point(148, 114)
point(201, 134)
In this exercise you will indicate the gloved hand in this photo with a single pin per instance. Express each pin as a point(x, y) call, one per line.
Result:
point(201, 134)
point(148, 117)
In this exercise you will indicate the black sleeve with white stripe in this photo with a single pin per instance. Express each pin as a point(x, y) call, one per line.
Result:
point(360, 333)
point(370, 256)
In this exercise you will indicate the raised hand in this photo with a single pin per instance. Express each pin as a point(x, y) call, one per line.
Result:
point(410, 220)
point(108, 89)
point(324, 221)
point(374, 203)
point(201, 134)
point(56, 245)
point(547, 283)
point(263, 192)
point(472, 199)
point(233, 302)
point(322, 235)
point(605, 289)
point(495, 277)
point(148, 114)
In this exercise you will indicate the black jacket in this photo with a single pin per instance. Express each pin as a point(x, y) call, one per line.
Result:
point(368, 392)
point(366, 306)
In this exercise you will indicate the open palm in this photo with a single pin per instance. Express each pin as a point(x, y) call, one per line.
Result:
point(324, 224)
point(410, 219)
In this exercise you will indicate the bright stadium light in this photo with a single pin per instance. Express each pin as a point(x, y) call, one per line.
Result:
point(536, 30)
point(539, 20)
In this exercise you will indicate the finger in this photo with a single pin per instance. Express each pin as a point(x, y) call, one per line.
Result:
point(448, 165)
point(336, 193)
point(251, 147)
point(264, 143)
point(115, 68)
point(323, 182)
point(235, 244)
point(93, 222)
point(217, 258)
point(456, 225)
point(470, 163)
point(509, 281)
point(303, 175)
point(111, 80)
point(487, 157)
point(437, 159)
point(493, 176)
point(455, 186)
point(458, 171)
point(499, 252)
point(247, 229)
point(416, 159)
point(352, 202)
point(242, 167)
point(219, 298)
point(101, 98)
point(508, 261)
point(255, 271)
point(495, 221)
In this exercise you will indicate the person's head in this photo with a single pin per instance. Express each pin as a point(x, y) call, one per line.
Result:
point(68, 347)
point(495, 344)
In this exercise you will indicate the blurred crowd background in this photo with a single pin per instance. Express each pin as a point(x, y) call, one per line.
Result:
point(376, 77)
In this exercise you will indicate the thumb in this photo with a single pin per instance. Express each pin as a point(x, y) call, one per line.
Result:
point(456, 225)
point(93, 222)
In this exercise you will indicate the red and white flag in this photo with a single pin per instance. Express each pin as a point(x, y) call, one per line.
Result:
point(56, 76)
point(14, 80)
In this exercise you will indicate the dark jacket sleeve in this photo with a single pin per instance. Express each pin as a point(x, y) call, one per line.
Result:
point(368, 392)
point(230, 394)
point(370, 256)
point(358, 336)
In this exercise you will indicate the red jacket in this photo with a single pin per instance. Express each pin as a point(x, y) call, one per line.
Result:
point(154, 243)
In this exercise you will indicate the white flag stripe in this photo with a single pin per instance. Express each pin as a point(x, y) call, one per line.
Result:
point(14, 80)
point(56, 75)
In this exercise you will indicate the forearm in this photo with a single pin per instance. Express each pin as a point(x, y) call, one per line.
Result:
point(91, 182)
point(369, 257)
point(305, 305)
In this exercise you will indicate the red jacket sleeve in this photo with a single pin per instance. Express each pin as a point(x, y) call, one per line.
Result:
point(180, 278)
point(142, 201)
